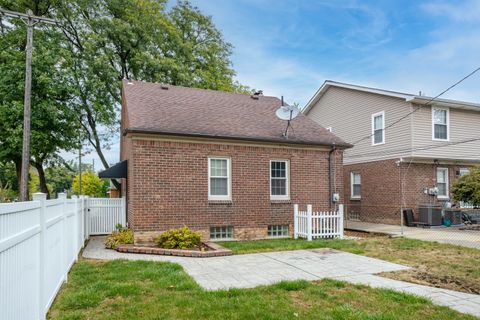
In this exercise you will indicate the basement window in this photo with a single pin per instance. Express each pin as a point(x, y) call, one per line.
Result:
point(277, 231)
point(221, 233)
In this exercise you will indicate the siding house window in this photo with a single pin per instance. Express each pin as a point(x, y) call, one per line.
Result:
point(378, 128)
point(219, 180)
point(356, 185)
point(221, 233)
point(442, 183)
point(440, 122)
point(276, 231)
point(279, 189)
point(463, 172)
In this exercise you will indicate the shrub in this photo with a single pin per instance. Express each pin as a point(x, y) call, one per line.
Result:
point(120, 236)
point(181, 238)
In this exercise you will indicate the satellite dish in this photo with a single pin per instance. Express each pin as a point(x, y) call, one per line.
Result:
point(287, 112)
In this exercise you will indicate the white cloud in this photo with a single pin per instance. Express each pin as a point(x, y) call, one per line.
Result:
point(466, 11)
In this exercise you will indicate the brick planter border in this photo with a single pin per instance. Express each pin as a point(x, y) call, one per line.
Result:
point(216, 250)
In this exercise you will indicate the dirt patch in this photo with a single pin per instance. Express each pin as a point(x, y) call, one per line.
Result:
point(431, 279)
point(363, 234)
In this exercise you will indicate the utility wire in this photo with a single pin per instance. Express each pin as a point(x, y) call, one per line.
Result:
point(420, 106)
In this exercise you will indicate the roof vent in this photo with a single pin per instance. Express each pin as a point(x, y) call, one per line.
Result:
point(164, 87)
point(256, 94)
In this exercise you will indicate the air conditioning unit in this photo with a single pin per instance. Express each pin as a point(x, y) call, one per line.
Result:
point(430, 215)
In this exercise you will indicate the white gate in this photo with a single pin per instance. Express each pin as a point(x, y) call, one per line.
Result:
point(312, 225)
point(103, 214)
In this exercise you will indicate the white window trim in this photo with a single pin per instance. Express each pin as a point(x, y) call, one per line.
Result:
point(448, 123)
point(351, 186)
point(447, 189)
point(329, 129)
point(287, 183)
point(381, 113)
point(228, 197)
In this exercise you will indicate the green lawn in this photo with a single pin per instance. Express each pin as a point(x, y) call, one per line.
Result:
point(441, 265)
point(155, 290)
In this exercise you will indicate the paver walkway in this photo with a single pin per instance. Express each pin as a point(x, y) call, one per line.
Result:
point(251, 270)
point(451, 235)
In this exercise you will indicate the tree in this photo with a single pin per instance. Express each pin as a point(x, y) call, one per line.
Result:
point(92, 185)
point(112, 39)
point(53, 123)
point(467, 188)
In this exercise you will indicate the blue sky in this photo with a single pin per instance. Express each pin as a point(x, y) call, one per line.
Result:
point(289, 47)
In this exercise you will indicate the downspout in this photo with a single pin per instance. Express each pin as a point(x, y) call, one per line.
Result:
point(330, 175)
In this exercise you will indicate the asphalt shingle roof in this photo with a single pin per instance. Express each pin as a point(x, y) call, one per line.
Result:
point(150, 108)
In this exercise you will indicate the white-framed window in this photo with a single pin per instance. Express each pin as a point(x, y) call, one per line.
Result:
point(355, 185)
point(378, 128)
point(329, 129)
point(221, 232)
point(440, 124)
point(442, 183)
point(277, 231)
point(219, 179)
point(463, 171)
point(279, 184)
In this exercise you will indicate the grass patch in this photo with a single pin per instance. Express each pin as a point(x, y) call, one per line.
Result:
point(154, 290)
point(436, 264)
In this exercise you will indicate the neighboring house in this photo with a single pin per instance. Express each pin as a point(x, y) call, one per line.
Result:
point(218, 162)
point(404, 145)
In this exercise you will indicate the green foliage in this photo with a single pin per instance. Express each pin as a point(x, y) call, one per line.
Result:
point(467, 188)
point(92, 185)
point(120, 236)
point(181, 238)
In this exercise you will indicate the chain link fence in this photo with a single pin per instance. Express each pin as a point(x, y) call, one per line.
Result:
point(460, 226)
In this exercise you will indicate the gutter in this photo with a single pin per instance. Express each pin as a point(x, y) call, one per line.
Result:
point(280, 140)
point(330, 176)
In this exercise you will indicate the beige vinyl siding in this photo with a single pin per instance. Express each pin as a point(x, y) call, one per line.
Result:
point(349, 114)
point(464, 124)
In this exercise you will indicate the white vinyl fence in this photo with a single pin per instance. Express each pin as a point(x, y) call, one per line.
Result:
point(39, 242)
point(312, 225)
point(104, 214)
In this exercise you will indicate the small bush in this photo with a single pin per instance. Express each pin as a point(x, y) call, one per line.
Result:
point(181, 238)
point(120, 236)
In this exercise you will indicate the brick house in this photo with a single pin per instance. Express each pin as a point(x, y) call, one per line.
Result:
point(219, 163)
point(405, 145)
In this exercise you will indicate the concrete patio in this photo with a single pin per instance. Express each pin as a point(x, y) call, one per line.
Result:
point(251, 270)
point(451, 235)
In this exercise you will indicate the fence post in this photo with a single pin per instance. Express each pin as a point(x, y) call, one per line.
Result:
point(76, 224)
point(87, 217)
point(309, 222)
point(124, 212)
point(340, 213)
point(63, 197)
point(41, 197)
point(295, 221)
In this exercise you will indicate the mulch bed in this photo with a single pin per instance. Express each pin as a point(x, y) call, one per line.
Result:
point(210, 249)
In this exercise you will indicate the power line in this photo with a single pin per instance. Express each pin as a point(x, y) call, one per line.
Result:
point(420, 106)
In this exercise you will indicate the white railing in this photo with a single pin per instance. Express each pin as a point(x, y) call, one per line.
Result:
point(39, 242)
point(312, 225)
point(104, 214)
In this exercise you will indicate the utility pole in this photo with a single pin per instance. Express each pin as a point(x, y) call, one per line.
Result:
point(30, 20)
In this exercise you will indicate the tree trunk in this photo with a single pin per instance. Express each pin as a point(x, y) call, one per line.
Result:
point(41, 177)
point(18, 171)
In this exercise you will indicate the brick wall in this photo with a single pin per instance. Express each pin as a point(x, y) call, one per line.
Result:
point(381, 188)
point(168, 187)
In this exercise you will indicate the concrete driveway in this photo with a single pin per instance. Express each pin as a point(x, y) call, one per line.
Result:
point(251, 270)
